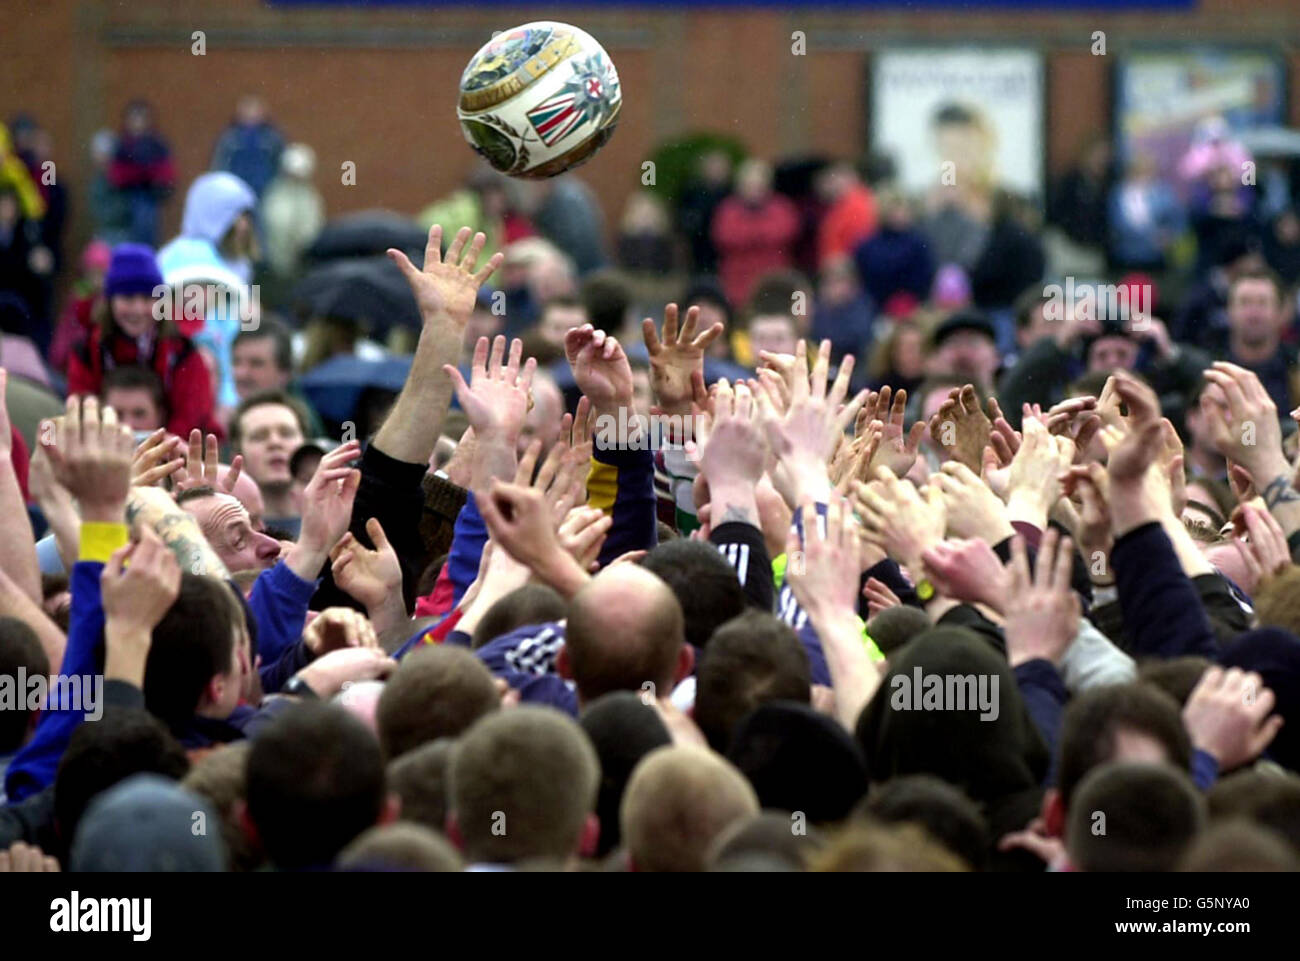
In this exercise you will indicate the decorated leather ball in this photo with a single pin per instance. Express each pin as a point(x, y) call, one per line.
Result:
point(539, 99)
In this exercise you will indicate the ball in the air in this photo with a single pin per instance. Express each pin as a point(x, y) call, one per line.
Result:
point(539, 99)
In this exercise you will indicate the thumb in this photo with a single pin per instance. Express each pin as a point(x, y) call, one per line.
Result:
point(377, 535)
point(403, 263)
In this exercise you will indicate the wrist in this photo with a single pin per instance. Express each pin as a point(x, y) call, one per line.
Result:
point(109, 512)
point(1028, 507)
point(561, 572)
point(126, 649)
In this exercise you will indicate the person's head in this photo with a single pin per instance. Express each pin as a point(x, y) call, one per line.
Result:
point(625, 630)
point(246, 491)
point(1265, 797)
point(799, 760)
point(137, 117)
point(530, 604)
point(754, 180)
point(869, 847)
point(261, 359)
point(769, 841)
point(965, 346)
point(899, 353)
point(267, 428)
point(947, 815)
point(1133, 816)
point(1176, 676)
point(1133, 722)
point(750, 660)
point(123, 742)
point(607, 298)
point(146, 823)
point(198, 660)
point(679, 799)
point(706, 586)
point(559, 315)
point(1031, 325)
point(1240, 846)
point(1277, 602)
point(229, 528)
point(21, 658)
point(315, 781)
point(137, 394)
point(399, 847)
point(542, 422)
point(483, 321)
point(773, 332)
point(623, 728)
point(220, 775)
point(419, 781)
point(1255, 314)
point(523, 786)
point(437, 692)
point(130, 285)
point(1111, 349)
point(251, 110)
point(895, 626)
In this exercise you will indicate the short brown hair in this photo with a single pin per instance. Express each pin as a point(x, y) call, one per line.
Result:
point(678, 800)
point(523, 783)
point(877, 847)
point(1277, 602)
point(261, 399)
point(437, 692)
point(1259, 273)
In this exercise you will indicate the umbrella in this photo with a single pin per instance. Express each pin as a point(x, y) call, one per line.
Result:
point(1272, 141)
point(335, 387)
point(365, 234)
point(370, 291)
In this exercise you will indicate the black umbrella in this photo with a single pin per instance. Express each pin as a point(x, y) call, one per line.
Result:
point(365, 234)
point(370, 291)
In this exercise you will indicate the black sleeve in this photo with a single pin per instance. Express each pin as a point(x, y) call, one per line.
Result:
point(967, 616)
point(742, 546)
point(391, 492)
point(891, 575)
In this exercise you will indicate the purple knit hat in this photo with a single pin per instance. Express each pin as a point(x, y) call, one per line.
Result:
point(132, 270)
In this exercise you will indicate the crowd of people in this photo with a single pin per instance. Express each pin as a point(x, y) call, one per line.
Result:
point(820, 528)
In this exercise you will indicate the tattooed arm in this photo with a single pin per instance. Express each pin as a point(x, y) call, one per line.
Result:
point(153, 507)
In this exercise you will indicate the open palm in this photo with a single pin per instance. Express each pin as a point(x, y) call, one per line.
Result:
point(448, 286)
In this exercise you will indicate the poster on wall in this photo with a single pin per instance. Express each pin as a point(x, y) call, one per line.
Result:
point(962, 117)
point(1167, 103)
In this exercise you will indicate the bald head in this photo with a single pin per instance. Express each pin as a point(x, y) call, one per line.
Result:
point(625, 629)
point(679, 800)
point(247, 493)
point(224, 521)
point(543, 420)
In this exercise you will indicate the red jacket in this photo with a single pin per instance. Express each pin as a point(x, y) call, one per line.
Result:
point(186, 381)
point(752, 241)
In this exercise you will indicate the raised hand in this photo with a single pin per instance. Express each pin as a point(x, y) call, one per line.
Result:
point(496, 398)
point(806, 435)
point(1042, 614)
point(971, 507)
point(899, 520)
point(328, 673)
point(1248, 433)
point(1227, 716)
point(326, 510)
point(1261, 542)
point(448, 287)
point(600, 368)
point(520, 521)
point(136, 598)
point(338, 628)
point(968, 571)
point(158, 457)
point(371, 576)
point(1090, 484)
point(582, 533)
point(677, 361)
point(894, 448)
point(91, 456)
point(960, 428)
point(200, 468)
point(1033, 481)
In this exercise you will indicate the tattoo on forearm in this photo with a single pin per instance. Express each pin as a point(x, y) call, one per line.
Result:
point(1279, 491)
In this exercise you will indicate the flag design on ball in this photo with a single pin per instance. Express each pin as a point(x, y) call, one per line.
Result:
point(586, 96)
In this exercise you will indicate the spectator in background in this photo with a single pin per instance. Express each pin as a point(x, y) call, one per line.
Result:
point(701, 196)
point(1202, 319)
point(1144, 218)
point(142, 169)
point(844, 314)
point(24, 260)
point(897, 257)
point(262, 360)
point(1013, 257)
point(568, 215)
point(137, 394)
point(645, 246)
point(1257, 317)
point(535, 272)
point(292, 210)
point(128, 332)
point(1079, 201)
point(1282, 246)
point(754, 231)
point(267, 428)
point(850, 216)
point(897, 357)
point(110, 208)
point(250, 147)
point(74, 324)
